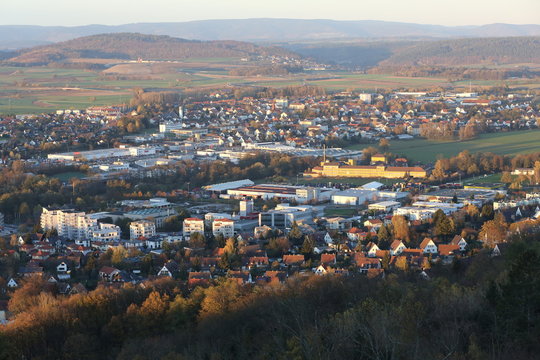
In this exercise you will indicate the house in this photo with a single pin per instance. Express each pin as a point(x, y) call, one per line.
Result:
point(458, 240)
point(354, 234)
point(364, 263)
point(373, 223)
point(168, 269)
point(110, 274)
point(62, 271)
point(428, 246)
point(30, 270)
point(12, 283)
point(372, 249)
point(63, 288)
point(242, 277)
point(258, 261)
point(397, 247)
point(321, 270)
point(327, 259)
point(199, 278)
point(338, 223)
point(328, 239)
point(499, 249)
point(448, 250)
point(78, 289)
point(293, 260)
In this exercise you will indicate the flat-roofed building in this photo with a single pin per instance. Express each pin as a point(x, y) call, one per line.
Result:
point(386, 206)
point(193, 225)
point(283, 216)
point(142, 228)
point(224, 227)
point(353, 197)
point(104, 232)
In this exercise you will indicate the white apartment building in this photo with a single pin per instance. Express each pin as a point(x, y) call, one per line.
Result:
point(193, 225)
point(142, 228)
point(224, 227)
point(78, 226)
point(69, 223)
point(104, 232)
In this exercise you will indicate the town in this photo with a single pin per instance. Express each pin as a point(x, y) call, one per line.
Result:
point(258, 192)
point(269, 225)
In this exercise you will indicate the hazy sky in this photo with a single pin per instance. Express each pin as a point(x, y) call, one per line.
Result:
point(114, 12)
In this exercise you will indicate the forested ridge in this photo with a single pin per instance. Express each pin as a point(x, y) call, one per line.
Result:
point(386, 53)
point(134, 46)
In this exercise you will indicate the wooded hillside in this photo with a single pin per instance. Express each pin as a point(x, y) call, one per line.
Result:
point(134, 46)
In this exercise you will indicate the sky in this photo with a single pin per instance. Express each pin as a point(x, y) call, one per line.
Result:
point(116, 12)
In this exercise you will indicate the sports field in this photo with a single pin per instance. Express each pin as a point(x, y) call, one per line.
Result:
point(503, 143)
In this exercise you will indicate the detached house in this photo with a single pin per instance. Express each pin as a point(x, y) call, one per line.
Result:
point(110, 274)
point(397, 247)
point(293, 259)
point(428, 246)
point(460, 241)
point(372, 249)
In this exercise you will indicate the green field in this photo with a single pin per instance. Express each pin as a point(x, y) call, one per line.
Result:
point(484, 179)
point(346, 212)
point(45, 89)
point(69, 175)
point(503, 143)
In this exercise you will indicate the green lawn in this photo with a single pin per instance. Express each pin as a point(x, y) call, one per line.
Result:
point(493, 178)
point(346, 212)
point(69, 175)
point(503, 143)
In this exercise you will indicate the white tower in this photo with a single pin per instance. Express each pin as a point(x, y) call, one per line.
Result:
point(246, 207)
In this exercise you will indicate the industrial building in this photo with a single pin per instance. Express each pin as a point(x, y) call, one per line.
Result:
point(283, 216)
point(301, 194)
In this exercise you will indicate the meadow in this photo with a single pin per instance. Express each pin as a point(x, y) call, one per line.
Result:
point(46, 89)
point(502, 143)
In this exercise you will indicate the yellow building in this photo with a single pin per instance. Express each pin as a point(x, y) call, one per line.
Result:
point(350, 169)
point(378, 158)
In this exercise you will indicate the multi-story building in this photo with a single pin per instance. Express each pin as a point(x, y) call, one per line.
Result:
point(350, 169)
point(224, 227)
point(104, 232)
point(142, 228)
point(78, 226)
point(193, 225)
point(68, 223)
point(246, 207)
point(283, 216)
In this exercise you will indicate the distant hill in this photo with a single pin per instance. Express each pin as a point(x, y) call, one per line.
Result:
point(442, 52)
point(469, 51)
point(13, 37)
point(134, 46)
